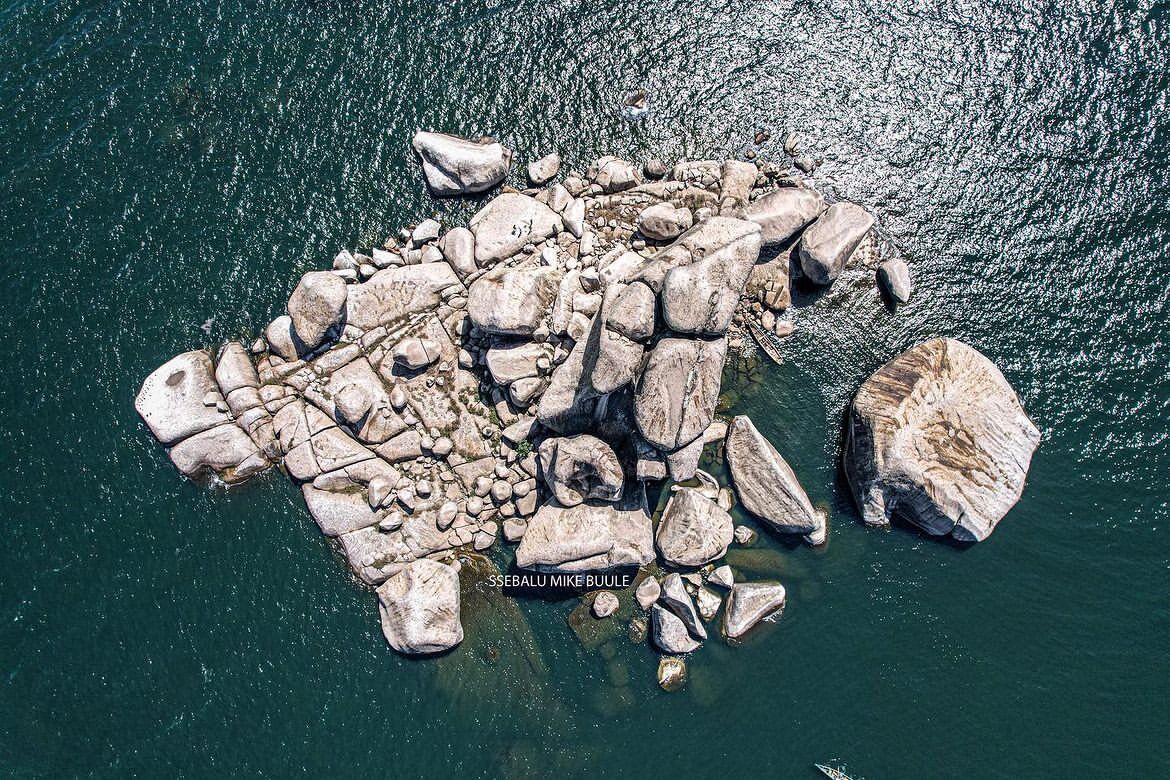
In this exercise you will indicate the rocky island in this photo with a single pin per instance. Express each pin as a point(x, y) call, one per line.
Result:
point(528, 375)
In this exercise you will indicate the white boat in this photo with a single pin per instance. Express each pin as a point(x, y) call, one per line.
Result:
point(832, 772)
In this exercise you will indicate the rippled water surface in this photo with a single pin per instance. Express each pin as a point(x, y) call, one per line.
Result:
point(166, 163)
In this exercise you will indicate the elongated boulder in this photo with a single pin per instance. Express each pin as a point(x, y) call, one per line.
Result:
point(669, 633)
point(225, 449)
point(507, 223)
point(700, 297)
point(827, 245)
point(748, 604)
point(939, 438)
point(894, 276)
point(677, 600)
point(693, 530)
point(784, 212)
point(592, 536)
point(513, 301)
point(317, 307)
point(178, 399)
point(675, 399)
point(456, 166)
point(766, 484)
point(581, 468)
point(458, 248)
point(419, 608)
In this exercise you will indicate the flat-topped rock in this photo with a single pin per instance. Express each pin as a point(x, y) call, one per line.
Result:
point(171, 400)
point(507, 223)
point(592, 536)
point(513, 301)
point(939, 438)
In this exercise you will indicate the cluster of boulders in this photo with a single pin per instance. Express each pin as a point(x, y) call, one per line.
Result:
point(527, 375)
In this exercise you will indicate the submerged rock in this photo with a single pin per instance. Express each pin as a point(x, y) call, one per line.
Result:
point(419, 608)
point(748, 604)
point(672, 673)
point(457, 166)
point(766, 484)
point(939, 438)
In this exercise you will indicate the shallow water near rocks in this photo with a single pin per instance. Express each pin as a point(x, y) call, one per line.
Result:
point(170, 167)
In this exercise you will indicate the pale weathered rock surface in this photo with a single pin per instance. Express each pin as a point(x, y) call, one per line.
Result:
point(748, 604)
point(939, 438)
point(675, 399)
point(592, 536)
point(693, 530)
point(664, 222)
point(672, 673)
point(829, 243)
point(171, 399)
point(894, 276)
point(513, 301)
point(669, 632)
point(457, 166)
point(605, 604)
point(647, 592)
point(543, 170)
point(419, 608)
point(765, 483)
point(581, 468)
point(700, 297)
point(317, 307)
point(507, 223)
point(677, 600)
point(783, 213)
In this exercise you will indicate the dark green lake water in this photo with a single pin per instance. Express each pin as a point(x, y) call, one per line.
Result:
point(166, 163)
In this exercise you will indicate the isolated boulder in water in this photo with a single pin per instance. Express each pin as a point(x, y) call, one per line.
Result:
point(419, 608)
point(766, 484)
point(694, 530)
point(784, 212)
point(580, 468)
point(895, 278)
point(938, 437)
point(827, 245)
point(457, 166)
point(748, 604)
point(317, 306)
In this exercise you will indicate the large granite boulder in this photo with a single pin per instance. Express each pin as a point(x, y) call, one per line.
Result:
point(939, 438)
point(513, 300)
point(669, 633)
point(632, 312)
point(748, 604)
point(693, 529)
point(317, 307)
point(675, 399)
point(580, 468)
point(419, 608)
point(766, 484)
point(507, 223)
point(700, 297)
point(593, 536)
point(458, 248)
point(393, 294)
point(894, 277)
point(828, 244)
point(784, 212)
point(664, 222)
point(675, 597)
point(178, 399)
point(225, 450)
point(457, 166)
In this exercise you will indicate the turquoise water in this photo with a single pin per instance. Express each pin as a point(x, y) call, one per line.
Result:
point(166, 163)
